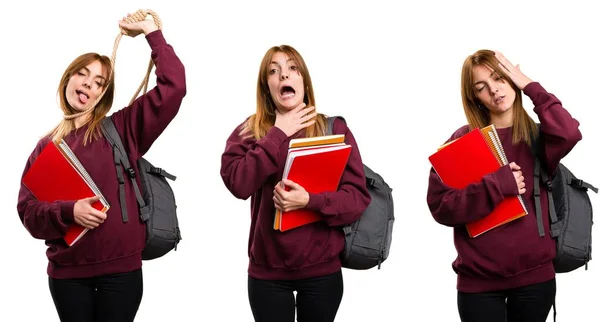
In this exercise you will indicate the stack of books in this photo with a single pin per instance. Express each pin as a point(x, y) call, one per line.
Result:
point(316, 164)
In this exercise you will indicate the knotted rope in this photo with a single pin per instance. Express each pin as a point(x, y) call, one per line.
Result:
point(137, 16)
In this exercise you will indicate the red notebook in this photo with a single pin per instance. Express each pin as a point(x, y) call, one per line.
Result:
point(465, 161)
point(56, 175)
point(316, 169)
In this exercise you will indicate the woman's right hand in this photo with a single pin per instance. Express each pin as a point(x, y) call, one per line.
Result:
point(87, 216)
point(519, 179)
point(295, 120)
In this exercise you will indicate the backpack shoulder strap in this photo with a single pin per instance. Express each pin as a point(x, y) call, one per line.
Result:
point(330, 121)
point(540, 174)
point(122, 164)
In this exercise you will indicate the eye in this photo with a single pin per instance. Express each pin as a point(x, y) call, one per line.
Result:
point(293, 67)
point(272, 71)
point(479, 89)
point(80, 73)
point(99, 84)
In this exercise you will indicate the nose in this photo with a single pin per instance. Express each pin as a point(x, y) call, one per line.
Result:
point(86, 83)
point(494, 90)
point(284, 75)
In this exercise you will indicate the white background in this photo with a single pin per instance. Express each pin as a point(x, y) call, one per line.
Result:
point(368, 62)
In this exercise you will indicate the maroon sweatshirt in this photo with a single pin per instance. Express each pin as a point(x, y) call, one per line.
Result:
point(512, 255)
point(251, 168)
point(114, 246)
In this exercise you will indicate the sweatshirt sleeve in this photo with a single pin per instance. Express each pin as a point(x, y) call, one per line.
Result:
point(352, 197)
point(558, 129)
point(148, 116)
point(456, 207)
point(247, 163)
point(43, 220)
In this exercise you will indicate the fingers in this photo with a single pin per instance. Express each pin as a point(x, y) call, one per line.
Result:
point(520, 180)
point(514, 166)
point(290, 184)
point(299, 107)
point(91, 200)
point(278, 203)
point(308, 117)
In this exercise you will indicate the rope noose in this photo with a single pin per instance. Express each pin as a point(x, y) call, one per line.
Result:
point(139, 15)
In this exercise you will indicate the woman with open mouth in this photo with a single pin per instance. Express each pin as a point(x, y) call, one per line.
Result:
point(305, 259)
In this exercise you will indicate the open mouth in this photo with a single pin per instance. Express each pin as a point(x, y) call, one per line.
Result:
point(287, 91)
point(83, 97)
point(499, 99)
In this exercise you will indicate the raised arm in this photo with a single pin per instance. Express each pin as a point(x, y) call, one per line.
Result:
point(559, 131)
point(142, 122)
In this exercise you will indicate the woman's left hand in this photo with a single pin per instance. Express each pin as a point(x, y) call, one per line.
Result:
point(295, 198)
point(135, 28)
point(514, 72)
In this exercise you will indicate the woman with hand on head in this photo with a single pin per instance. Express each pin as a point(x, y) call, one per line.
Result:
point(305, 259)
point(99, 277)
point(506, 274)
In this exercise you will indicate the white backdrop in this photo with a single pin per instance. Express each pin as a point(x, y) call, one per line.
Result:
point(392, 70)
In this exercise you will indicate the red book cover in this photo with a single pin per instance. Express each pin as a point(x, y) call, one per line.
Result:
point(53, 177)
point(465, 161)
point(316, 170)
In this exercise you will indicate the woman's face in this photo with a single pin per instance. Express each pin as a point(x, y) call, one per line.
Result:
point(492, 90)
point(286, 84)
point(86, 84)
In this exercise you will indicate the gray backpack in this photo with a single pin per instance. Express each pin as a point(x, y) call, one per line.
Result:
point(368, 239)
point(156, 200)
point(571, 215)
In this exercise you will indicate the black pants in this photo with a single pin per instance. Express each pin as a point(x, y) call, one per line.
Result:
point(525, 304)
point(317, 299)
point(114, 297)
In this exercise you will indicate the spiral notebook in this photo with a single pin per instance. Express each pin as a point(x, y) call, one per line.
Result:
point(466, 160)
point(57, 174)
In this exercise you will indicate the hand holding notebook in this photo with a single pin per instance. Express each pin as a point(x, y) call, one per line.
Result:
point(466, 160)
point(86, 215)
point(289, 196)
point(57, 174)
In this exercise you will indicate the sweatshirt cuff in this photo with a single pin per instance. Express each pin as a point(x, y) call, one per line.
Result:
point(66, 211)
point(506, 181)
point(156, 39)
point(536, 93)
point(316, 201)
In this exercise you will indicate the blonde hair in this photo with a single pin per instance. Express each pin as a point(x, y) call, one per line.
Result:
point(100, 110)
point(477, 115)
point(259, 123)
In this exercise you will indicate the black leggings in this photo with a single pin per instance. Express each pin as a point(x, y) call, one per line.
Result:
point(525, 304)
point(114, 297)
point(317, 299)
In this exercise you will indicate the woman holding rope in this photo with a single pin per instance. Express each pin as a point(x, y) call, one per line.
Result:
point(99, 278)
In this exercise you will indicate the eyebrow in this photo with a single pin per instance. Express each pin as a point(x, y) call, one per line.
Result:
point(276, 63)
point(97, 76)
point(491, 74)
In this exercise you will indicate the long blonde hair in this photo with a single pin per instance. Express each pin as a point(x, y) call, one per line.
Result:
point(99, 112)
point(259, 123)
point(478, 116)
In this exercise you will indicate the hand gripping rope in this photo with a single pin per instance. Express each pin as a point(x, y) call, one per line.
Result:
point(139, 15)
